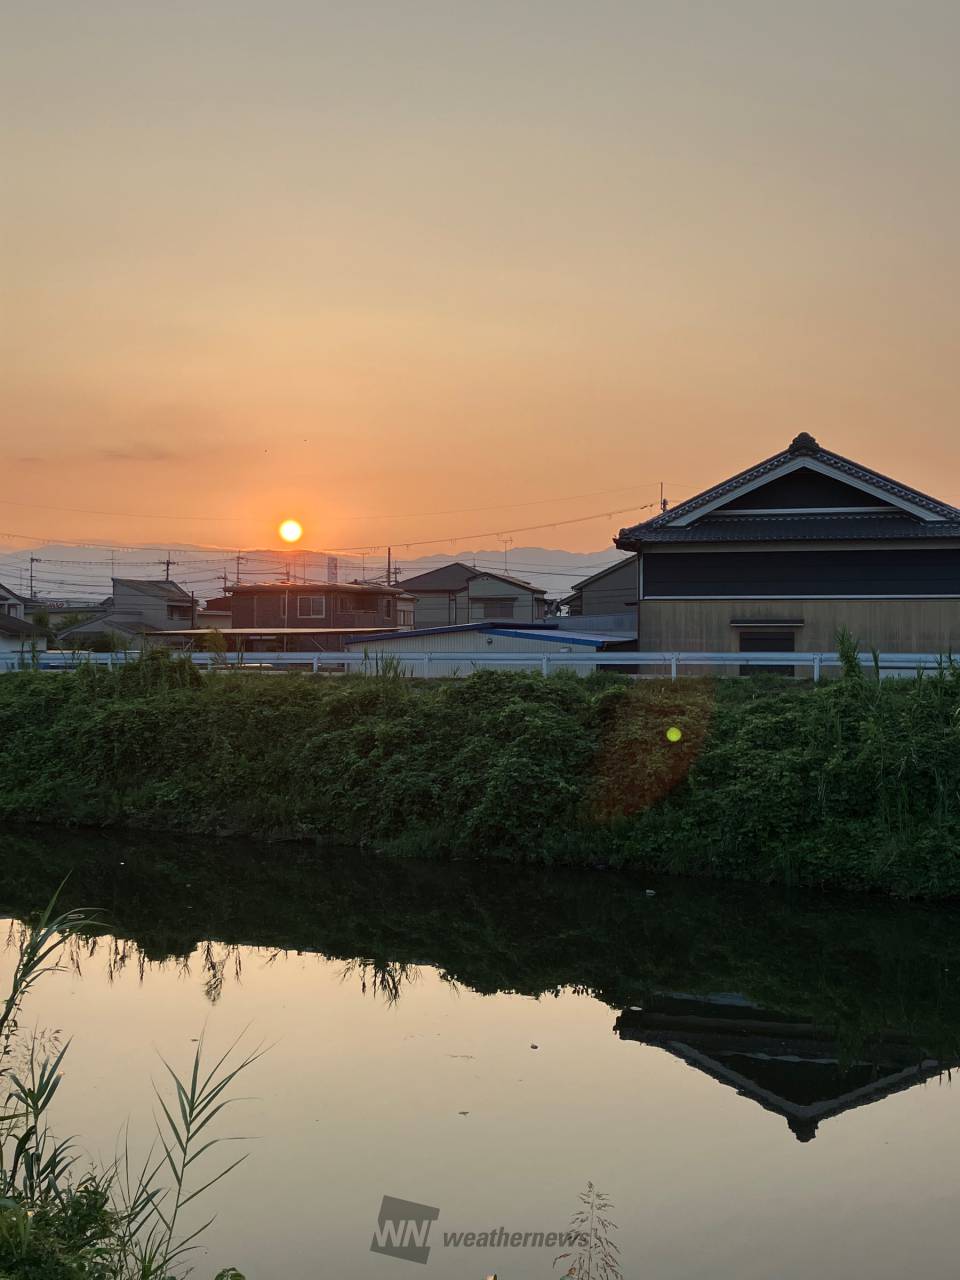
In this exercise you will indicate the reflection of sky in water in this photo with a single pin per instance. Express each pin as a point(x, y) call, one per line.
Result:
point(362, 1096)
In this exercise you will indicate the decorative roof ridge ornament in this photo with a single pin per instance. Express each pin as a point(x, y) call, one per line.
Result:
point(804, 443)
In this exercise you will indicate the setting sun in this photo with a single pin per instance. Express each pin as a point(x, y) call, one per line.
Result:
point(291, 531)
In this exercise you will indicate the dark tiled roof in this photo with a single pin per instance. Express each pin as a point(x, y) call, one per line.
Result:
point(602, 573)
point(449, 577)
point(13, 595)
point(10, 626)
point(800, 528)
point(455, 576)
point(662, 528)
point(154, 587)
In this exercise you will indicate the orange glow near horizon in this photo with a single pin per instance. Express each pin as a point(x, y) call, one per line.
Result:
point(291, 530)
point(431, 272)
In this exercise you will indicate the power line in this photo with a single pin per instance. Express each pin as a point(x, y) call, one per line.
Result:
point(493, 533)
point(358, 548)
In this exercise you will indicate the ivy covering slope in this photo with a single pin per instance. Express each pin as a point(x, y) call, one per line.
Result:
point(854, 783)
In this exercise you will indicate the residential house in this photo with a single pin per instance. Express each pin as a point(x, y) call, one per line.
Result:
point(310, 615)
point(781, 556)
point(217, 612)
point(613, 590)
point(12, 605)
point(456, 593)
point(60, 609)
point(19, 639)
point(138, 607)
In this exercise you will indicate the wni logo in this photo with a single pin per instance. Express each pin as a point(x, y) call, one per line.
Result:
point(403, 1229)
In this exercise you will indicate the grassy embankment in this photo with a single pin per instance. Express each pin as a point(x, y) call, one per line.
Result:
point(855, 783)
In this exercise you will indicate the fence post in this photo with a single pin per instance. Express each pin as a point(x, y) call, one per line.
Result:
point(545, 665)
point(817, 659)
point(426, 665)
point(674, 659)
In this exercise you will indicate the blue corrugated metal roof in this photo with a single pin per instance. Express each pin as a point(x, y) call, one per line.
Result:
point(548, 631)
point(457, 626)
point(591, 639)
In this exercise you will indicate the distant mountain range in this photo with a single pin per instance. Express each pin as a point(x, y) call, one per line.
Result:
point(62, 572)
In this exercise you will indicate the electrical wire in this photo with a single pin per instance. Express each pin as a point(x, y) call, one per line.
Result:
point(492, 533)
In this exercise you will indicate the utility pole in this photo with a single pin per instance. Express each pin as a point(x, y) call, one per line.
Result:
point(166, 567)
point(33, 560)
point(663, 501)
point(389, 563)
point(507, 543)
point(240, 558)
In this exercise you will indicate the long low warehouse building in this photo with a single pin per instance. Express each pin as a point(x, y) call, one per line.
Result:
point(454, 650)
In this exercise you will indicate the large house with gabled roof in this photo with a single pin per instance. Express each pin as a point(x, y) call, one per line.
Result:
point(781, 556)
point(136, 608)
point(457, 593)
point(18, 636)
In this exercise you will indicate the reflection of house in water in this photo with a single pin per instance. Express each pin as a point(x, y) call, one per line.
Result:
point(789, 1066)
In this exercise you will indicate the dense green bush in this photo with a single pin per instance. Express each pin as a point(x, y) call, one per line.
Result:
point(854, 783)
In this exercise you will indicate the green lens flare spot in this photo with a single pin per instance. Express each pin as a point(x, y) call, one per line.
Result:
point(674, 734)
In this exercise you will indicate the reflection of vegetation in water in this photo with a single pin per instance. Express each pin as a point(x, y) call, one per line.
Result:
point(384, 978)
point(119, 1223)
point(861, 966)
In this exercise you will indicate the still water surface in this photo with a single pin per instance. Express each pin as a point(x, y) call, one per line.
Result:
point(759, 1083)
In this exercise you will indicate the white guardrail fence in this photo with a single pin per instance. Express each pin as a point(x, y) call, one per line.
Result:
point(464, 664)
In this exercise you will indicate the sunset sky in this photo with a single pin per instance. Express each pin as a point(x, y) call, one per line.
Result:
point(359, 263)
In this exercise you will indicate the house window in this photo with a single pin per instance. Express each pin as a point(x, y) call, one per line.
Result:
point(767, 642)
point(498, 609)
point(388, 608)
point(311, 607)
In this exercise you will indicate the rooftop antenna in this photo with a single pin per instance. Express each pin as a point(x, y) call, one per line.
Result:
point(663, 501)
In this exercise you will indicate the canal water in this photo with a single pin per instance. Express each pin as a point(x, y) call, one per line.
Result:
point(759, 1083)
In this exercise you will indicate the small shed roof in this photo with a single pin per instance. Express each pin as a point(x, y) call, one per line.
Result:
point(266, 631)
point(330, 588)
point(550, 633)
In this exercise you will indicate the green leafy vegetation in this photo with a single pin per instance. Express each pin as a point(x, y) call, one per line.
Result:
point(855, 783)
point(115, 1224)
